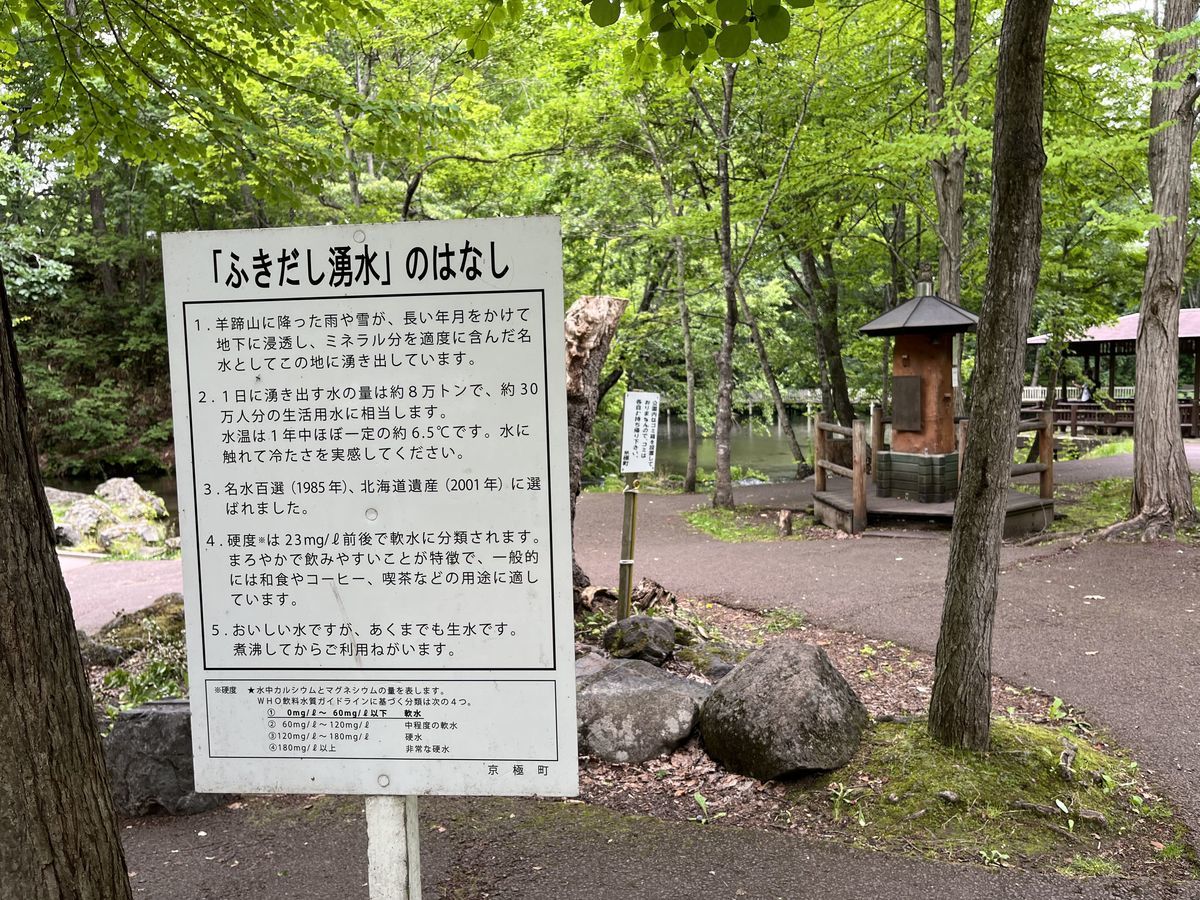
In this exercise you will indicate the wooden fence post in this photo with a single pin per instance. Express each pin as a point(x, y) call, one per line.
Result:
point(876, 439)
point(819, 455)
point(1046, 456)
point(859, 450)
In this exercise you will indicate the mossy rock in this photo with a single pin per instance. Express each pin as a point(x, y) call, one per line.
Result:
point(161, 620)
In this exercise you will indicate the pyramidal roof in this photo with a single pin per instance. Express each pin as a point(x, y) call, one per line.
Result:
point(927, 313)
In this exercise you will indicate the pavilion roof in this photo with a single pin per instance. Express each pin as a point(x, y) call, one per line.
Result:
point(927, 313)
point(1126, 329)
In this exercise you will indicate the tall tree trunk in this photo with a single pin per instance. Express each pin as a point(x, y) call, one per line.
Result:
point(1162, 492)
point(803, 469)
point(826, 300)
point(58, 830)
point(104, 267)
point(723, 492)
point(588, 326)
point(949, 169)
point(689, 364)
point(960, 707)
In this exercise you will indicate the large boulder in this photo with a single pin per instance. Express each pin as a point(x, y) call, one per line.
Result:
point(784, 710)
point(87, 516)
point(149, 758)
point(631, 711)
point(55, 497)
point(130, 500)
point(641, 637)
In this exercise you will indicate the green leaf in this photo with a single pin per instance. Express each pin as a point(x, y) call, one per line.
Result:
point(775, 25)
point(731, 10)
point(734, 41)
point(763, 7)
point(480, 49)
point(515, 8)
point(800, 4)
point(697, 39)
point(672, 41)
point(604, 12)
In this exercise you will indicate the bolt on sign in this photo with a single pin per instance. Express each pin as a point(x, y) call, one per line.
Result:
point(639, 432)
point(370, 425)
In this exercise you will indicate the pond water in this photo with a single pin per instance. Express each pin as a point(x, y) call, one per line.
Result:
point(761, 448)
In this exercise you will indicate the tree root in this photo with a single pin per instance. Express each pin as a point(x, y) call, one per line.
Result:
point(1147, 527)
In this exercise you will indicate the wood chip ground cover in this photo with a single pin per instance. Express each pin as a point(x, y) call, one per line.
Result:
point(1009, 808)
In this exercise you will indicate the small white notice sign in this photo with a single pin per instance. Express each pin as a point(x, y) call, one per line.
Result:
point(639, 432)
point(370, 428)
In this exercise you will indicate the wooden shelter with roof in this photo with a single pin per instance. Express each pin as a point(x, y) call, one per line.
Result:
point(1099, 348)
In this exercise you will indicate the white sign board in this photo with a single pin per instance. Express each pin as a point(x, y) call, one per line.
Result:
point(370, 428)
point(639, 432)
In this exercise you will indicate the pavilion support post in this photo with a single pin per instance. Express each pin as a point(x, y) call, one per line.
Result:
point(876, 439)
point(1046, 456)
point(1112, 371)
point(1196, 387)
point(819, 455)
point(859, 465)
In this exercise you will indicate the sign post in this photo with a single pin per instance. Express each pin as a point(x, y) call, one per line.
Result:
point(371, 448)
point(639, 444)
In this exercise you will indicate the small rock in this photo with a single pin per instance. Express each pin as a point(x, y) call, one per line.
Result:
point(99, 653)
point(893, 798)
point(632, 711)
point(1092, 816)
point(67, 535)
point(947, 796)
point(641, 637)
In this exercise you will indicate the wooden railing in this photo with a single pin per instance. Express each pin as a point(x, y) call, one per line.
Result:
point(823, 435)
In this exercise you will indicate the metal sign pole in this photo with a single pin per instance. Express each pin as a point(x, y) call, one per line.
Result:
point(393, 848)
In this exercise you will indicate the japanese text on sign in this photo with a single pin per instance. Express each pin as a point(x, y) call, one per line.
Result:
point(377, 566)
point(639, 433)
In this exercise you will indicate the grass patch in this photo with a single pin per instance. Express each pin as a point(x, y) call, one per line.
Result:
point(888, 798)
point(735, 526)
point(780, 620)
point(670, 483)
point(1092, 506)
point(1119, 447)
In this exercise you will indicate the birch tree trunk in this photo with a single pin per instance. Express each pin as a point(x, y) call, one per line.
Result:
point(58, 829)
point(960, 707)
point(1162, 491)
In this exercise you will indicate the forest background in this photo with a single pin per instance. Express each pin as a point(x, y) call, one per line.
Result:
point(532, 110)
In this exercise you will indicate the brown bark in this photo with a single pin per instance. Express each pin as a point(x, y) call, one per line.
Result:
point(589, 326)
point(960, 706)
point(1162, 491)
point(948, 171)
point(104, 268)
point(819, 287)
point(58, 829)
